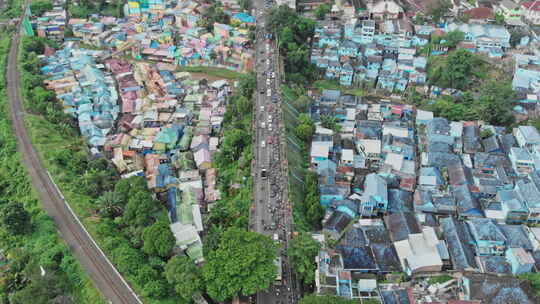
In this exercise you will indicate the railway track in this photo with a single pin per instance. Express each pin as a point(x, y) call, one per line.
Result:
point(100, 270)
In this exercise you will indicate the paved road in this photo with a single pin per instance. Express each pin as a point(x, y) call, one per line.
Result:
point(270, 213)
point(104, 276)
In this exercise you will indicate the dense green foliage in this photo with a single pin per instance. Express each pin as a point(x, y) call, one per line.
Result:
point(322, 10)
point(11, 9)
point(233, 163)
point(158, 239)
point(185, 276)
point(91, 186)
point(244, 4)
point(450, 39)
point(438, 10)
point(484, 98)
point(85, 8)
point(312, 208)
point(294, 33)
point(130, 221)
point(302, 252)
point(40, 7)
point(14, 218)
point(493, 105)
point(28, 237)
point(242, 264)
point(534, 279)
point(136, 236)
point(238, 262)
point(213, 14)
point(306, 128)
point(330, 122)
point(327, 299)
point(303, 194)
point(458, 70)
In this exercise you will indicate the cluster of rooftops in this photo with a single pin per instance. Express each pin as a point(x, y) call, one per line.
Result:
point(405, 191)
point(149, 120)
point(383, 47)
point(166, 33)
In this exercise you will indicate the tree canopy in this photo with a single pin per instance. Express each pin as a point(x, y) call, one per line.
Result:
point(305, 129)
point(15, 219)
point(38, 8)
point(302, 252)
point(184, 276)
point(493, 105)
point(242, 264)
point(439, 9)
point(330, 122)
point(294, 33)
point(213, 14)
point(457, 71)
point(139, 209)
point(158, 239)
point(322, 10)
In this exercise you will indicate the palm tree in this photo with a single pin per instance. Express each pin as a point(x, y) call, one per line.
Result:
point(109, 204)
point(330, 122)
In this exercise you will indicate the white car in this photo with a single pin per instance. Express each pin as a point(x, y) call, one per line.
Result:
point(269, 118)
point(268, 62)
point(263, 144)
point(267, 81)
point(263, 125)
point(262, 108)
point(270, 127)
point(269, 93)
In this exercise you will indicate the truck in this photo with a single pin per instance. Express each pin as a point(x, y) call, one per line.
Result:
point(279, 271)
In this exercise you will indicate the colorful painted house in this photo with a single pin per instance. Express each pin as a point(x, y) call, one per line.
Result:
point(346, 75)
point(375, 197)
point(520, 260)
point(348, 48)
point(487, 237)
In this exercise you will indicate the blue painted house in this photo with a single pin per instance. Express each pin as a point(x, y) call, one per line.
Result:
point(333, 70)
point(331, 54)
point(327, 194)
point(512, 206)
point(534, 204)
point(348, 48)
point(346, 75)
point(375, 197)
point(485, 36)
point(520, 260)
point(329, 38)
point(368, 31)
point(487, 237)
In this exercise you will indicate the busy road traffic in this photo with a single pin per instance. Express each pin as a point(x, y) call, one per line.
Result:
point(270, 213)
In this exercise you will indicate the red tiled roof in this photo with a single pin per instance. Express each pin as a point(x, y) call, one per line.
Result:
point(532, 5)
point(344, 275)
point(437, 32)
point(480, 13)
